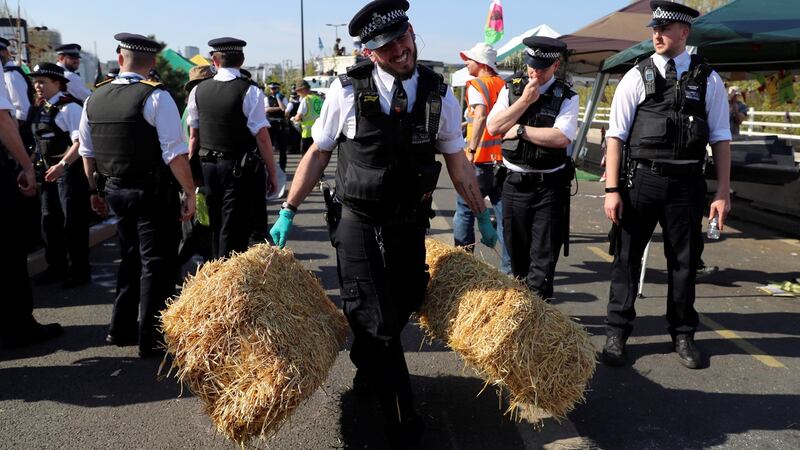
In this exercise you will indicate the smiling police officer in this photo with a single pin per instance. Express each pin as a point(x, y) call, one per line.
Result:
point(69, 58)
point(665, 111)
point(389, 116)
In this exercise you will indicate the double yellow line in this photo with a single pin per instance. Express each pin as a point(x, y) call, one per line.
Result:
point(731, 336)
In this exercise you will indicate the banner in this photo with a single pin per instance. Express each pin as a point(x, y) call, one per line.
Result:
point(494, 23)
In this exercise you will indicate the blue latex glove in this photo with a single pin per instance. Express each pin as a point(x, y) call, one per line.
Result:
point(280, 230)
point(488, 233)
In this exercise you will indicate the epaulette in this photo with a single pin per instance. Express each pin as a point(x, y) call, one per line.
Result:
point(345, 80)
point(155, 84)
point(104, 82)
point(361, 69)
point(443, 89)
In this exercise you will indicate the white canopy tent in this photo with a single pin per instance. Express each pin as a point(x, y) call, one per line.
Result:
point(460, 77)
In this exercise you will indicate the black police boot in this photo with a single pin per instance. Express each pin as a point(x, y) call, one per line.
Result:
point(31, 334)
point(687, 351)
point(614, 350)
point(74, 281)
point(404, 427)
point(50, 276)
point(363, 384)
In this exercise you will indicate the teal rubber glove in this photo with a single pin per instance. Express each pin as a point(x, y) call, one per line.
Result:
point(488, 233)
point(280, 230)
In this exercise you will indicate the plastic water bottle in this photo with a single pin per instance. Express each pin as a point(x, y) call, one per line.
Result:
point(713, 229)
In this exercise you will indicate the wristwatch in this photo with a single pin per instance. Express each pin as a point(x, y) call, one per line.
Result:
point(611, 190)
point(471, 151)
point(289, 206)
point(520, 131)
point(64, 163)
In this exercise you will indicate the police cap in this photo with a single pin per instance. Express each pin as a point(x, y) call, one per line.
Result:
point(69, 50)
point(666, 12)
point(49, 70)
point(4, 43)
point(137, 43)
point(542, 51)
point(227, 45)
point(380, 22)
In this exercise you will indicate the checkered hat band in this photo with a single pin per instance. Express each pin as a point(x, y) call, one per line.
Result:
point(138, 48)
point(672, 16)
point(229, 48)
point(382, 21)
point(537, 53)
point(38, 71)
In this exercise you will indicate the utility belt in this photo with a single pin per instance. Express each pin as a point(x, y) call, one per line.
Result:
point(533, 178)
point(247, 162)
point(665, 169)
point(213, 156)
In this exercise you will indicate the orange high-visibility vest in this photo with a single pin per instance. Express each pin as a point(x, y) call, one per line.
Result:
point(489, 145)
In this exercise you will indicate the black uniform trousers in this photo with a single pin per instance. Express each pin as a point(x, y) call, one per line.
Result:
point(534, 226)
point(148, 231)
point(65, 222)
point(259, 220)
point(677, 203)
point(277, 134)
point(230, 191)
point(16, 300)
point(379, 291)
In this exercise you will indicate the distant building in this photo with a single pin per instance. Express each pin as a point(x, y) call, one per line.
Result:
point(190, 51)
point(42, 43)
point(88, 68)
point(264, 72)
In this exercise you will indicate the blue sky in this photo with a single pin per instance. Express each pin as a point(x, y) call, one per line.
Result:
point(272, 28)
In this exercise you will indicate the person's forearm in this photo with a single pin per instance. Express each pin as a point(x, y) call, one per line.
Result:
point(9, 136)
point(308, 173)
point(274, 109)
point(613, 157)
point(478, 125)
point(72, 154)
point(721, 151)
point(183, 173)
point(546, 137)
point(89, 168)
point(194, 141)
point(504, 120)
point(265, 148)
point(462, 173)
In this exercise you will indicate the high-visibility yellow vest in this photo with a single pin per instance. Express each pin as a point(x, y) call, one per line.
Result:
point(313, 108)
point(489, 149)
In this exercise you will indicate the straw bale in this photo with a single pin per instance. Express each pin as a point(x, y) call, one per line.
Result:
point(513, 339)
point(253, 336)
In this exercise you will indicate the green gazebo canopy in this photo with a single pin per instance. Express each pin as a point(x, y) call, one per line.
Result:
point(743, 36)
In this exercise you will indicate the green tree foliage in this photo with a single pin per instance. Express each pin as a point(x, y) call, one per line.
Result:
point(173, 79)
point(705, 6)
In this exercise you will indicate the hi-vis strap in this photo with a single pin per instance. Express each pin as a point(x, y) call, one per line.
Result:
point(484, 89)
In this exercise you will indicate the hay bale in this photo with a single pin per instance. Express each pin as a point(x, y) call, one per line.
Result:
point(252, 337)
point(514, 340)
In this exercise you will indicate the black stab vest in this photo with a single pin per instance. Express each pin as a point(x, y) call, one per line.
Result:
point(377, 171)
point(125, 145)
point(541, 114)
point(671, 123)
point(53, 141)
point(272, 102)
point(223, 125)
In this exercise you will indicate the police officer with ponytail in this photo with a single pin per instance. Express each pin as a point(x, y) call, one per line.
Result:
point(665, 111)
point(537, 115)
point(389, 117)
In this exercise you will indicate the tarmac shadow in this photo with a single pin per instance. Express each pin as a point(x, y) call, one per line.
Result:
point(455, 416)
point(75, 338)
point(90, 382)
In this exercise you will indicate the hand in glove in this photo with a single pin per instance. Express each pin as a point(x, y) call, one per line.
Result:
point(280, 230)
point(488, 233)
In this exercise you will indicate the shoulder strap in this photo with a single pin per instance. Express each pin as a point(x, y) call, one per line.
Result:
point(345, 80)
point(104, 82)
point(155, 84)
point(648, 71)
point(433, 104)
point(515, 85)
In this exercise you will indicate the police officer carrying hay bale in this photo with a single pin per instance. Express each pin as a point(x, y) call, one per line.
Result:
point(537, 115)
point(134, 150)
point(388, 116)
point(665, 111)
point(228, 127)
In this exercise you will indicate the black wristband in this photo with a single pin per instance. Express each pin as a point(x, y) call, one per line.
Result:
point(611, 190)
point(289, 206)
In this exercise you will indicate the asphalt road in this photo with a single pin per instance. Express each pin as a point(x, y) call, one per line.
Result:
point(77, 392)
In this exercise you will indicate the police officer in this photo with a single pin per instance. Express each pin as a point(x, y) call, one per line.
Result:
point(20, 91)
point(228, 127)
point(665, 111)
point(134, 150)
point(384, 179)
point(17, 324)
point(293, 138)
point(69, 58)
point(65, 191)
point(276, 113)
point(537, 115)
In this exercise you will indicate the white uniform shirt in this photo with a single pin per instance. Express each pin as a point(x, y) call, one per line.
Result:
point(566, 120)
point(630, 94)
point(289, 108)
point(159, 111)
point(252, 106)
point(17, 91)
point(75, 87)
point(5, 101)
point(474, 96)
point(302, 107)
point(68, 117)
point(338, 115)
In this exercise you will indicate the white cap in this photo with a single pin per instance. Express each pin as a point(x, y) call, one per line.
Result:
point(482, 53)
